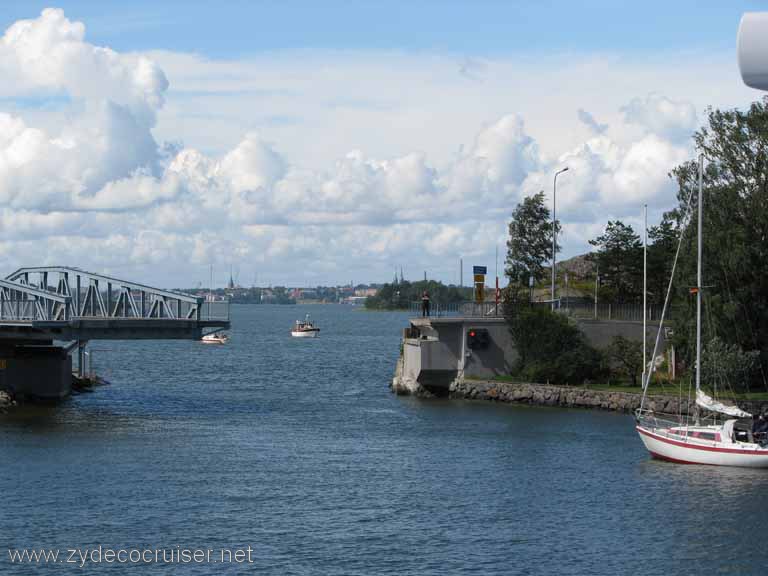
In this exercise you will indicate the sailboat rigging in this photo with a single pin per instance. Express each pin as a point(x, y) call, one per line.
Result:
point(727, 443)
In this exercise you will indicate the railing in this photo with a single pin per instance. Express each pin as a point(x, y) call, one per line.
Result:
point(609, 311)
point(459, 309)
point(579, 310)
point(216, 310)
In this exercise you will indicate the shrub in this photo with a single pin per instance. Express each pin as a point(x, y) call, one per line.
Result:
point(627, 357)
point(551, 348)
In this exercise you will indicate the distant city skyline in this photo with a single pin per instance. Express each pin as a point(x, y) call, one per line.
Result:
point(310, 143)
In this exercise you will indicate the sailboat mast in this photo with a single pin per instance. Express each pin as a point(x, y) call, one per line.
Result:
point(645, 288)
point(698, 277)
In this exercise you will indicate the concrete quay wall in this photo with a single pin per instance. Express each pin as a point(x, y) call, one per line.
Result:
point(435, 352)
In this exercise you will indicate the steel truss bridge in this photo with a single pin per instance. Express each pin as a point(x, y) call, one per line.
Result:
point(65, 303)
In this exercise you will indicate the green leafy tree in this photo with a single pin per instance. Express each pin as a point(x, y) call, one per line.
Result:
point(400, 295)
point(735, 235)
point(627, 356)
point(726, 367)
point(550, 347)
point(529, 247)
point(619, 259)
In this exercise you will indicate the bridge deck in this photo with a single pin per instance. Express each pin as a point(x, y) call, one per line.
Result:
point(109, 329)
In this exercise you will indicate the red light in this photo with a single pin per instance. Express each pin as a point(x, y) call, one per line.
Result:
point(472, 333)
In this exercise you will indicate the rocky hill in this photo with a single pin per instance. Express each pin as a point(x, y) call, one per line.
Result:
point(578, 267)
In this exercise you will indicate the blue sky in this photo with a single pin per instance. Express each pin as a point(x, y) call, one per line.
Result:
point(234, 28)
point(307, 143)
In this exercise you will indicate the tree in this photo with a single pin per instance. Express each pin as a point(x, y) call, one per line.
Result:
point(400, 295)
point(727, 366)
point(529, 246)
point(619, 259)
point(735, 219)
point(627, 355)
point(662, 246)
point(550, 347)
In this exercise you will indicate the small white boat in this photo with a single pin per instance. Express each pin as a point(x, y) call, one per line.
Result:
point(305, 329)
point(215, 338)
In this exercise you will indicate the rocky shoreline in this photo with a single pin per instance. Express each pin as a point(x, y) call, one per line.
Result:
point(6, 401)
point(551, 395)
point(575, 397)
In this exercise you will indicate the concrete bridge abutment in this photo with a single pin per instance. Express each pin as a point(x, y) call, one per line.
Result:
point(39, 371)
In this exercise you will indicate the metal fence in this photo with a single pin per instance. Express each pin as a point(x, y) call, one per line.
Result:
point(217, 310)
point(459, 309)
point(579, 309)
point(609, 311)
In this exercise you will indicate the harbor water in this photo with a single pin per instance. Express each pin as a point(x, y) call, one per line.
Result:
point(297, 449)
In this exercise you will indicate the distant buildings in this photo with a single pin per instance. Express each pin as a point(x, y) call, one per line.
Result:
point(286, 295)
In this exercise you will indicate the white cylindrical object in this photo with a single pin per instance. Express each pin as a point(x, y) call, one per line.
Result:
point(753, 49)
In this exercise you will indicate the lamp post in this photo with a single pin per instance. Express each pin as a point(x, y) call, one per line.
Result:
point(554, 232)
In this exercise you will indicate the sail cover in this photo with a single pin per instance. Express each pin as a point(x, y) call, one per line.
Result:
point(711, 404)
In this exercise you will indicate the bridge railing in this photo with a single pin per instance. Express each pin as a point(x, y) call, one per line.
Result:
point(63, 293)
point(216, 310)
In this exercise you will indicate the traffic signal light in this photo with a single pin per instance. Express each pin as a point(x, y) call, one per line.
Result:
point(478, 338)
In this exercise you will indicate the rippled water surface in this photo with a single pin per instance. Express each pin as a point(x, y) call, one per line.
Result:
point(297, 448)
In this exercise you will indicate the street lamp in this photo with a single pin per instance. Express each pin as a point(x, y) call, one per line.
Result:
point(554, 233)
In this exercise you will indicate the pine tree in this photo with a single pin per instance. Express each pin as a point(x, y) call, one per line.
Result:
point(619, 258)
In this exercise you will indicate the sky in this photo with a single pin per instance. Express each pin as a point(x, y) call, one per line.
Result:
point(307, 143)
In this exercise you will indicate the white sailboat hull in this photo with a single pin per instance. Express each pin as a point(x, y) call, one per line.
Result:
point(692, 451)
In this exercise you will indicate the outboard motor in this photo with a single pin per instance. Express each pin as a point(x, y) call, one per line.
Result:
point(753, 49)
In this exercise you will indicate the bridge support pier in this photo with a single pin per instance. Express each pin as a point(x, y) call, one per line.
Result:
point(36, 371)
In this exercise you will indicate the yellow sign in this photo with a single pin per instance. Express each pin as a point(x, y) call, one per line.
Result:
point(479, 292)
point(480, 278)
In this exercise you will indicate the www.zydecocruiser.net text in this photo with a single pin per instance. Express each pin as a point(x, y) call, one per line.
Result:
point(102, 555)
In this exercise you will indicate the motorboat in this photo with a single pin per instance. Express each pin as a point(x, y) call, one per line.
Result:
point(305, 328)
point(215, 338)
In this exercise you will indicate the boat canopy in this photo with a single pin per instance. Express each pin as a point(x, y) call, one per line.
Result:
point(713, 405)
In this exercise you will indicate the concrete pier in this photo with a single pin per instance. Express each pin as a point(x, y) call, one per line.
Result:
point(435, 354)
point(35, 372)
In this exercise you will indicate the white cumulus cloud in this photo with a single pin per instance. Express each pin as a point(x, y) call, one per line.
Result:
point(89, 184)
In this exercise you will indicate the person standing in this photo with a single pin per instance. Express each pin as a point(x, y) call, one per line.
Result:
point(425, 304)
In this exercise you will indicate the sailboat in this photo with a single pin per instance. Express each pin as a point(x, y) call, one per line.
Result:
point(725, 441)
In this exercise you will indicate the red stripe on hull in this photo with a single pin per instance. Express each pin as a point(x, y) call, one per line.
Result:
point(675, 460)
point(692, 446)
